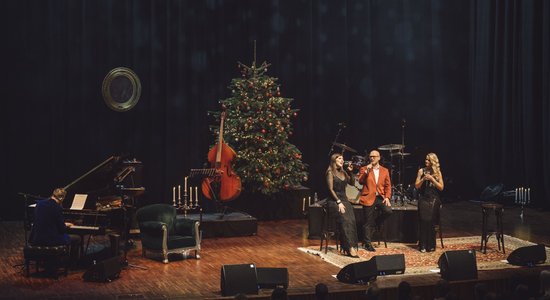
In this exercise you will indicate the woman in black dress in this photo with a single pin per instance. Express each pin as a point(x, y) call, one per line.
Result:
point(337, 178)
point(429, 182)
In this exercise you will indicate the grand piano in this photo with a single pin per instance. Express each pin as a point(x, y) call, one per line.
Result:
point(110, 190)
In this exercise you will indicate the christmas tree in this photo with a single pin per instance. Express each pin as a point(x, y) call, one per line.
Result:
point(257, 126)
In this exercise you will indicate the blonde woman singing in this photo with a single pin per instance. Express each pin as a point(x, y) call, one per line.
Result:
point(429, 182)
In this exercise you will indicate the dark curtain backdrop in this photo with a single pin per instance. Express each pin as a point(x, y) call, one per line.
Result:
point(509, 107)
point(469, 80)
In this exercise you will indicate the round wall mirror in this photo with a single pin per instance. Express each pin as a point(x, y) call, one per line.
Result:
point(121, 89)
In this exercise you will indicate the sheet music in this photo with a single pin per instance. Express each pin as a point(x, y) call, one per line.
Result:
point(78, 201)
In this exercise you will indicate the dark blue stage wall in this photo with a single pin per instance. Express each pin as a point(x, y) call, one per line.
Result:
point(470, 78)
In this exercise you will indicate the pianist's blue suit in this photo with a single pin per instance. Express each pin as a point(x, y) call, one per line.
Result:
point(49, 226)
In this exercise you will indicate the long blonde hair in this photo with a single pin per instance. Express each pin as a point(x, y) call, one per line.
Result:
point(434, 161)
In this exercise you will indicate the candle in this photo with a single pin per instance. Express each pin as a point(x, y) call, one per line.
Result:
point(528, 195)
point(309, 200)
point(521, 195)
point(190, 195)
point(179, 192)
point(304, 204)
point(196, 196)
point(174, 194)
point(185, 187)
point(516, 196)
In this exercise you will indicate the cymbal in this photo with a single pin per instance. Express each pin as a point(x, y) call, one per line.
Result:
point(345, 147)
point(400, 154)
point(391, 147)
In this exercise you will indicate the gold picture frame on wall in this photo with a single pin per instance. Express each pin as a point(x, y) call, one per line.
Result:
point(121, 89)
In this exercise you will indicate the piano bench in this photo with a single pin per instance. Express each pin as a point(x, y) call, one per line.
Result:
point(51, 257)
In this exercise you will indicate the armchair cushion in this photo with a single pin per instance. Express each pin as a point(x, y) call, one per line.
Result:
point(185, 227)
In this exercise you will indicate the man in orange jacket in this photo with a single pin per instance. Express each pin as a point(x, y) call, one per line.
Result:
point(376, 193)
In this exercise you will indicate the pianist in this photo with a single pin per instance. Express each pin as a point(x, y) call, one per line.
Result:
point(49, 227)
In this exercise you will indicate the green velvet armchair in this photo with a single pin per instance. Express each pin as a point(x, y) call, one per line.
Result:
point(162, 233)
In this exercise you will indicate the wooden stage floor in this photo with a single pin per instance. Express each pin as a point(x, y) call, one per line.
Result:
point(275, 245)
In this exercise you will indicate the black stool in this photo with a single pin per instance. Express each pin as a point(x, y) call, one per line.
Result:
point(328, 227)
point(55, 256)
point(379, 227)
point(486, 210)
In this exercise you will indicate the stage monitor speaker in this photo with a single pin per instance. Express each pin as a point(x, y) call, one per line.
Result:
point(390, 264)
point(528, 256)
point(239, 279)
point(270, 278)
point(364, 271)
point(458, 265)
point(105, 271)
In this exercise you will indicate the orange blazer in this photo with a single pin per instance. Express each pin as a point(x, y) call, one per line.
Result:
point(368, 192)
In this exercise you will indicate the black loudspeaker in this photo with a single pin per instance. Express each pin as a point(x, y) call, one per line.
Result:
point(390, 264)
point(458, 265)
point(270, 278)
point(528, 256)
point(364, 271)
point(236, 279)
point(104, 271)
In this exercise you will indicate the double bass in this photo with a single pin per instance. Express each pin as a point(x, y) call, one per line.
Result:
point(226, 184)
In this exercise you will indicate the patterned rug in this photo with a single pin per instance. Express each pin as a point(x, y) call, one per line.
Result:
point(424, 263)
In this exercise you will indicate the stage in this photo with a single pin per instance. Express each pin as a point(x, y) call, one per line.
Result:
point(275, 245)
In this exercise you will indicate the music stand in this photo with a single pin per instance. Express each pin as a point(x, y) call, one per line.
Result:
point(211, 172)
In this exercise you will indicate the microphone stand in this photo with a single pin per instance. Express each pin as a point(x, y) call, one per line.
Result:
point(401, 157)
point(341, 126)
point(26, 220)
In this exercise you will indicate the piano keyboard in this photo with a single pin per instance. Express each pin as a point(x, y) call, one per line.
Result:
point(84, 230)
point(82, 227)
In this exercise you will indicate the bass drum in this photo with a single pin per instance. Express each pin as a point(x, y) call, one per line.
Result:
point(354, 191)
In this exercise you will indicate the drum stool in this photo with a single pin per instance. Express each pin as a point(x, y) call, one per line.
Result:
point(329, 228)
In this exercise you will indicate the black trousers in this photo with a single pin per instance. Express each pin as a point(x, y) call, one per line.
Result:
point(373, 215)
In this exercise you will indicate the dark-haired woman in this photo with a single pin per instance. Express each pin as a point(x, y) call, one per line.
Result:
point(337, 178)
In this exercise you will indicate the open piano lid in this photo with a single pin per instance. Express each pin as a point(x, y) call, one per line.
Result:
point(104, 180)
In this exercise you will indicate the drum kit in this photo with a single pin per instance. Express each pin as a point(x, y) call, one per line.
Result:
point(395, 163)
point(393, 160)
